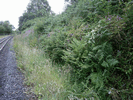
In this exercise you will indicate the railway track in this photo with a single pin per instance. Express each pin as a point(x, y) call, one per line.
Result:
point(4, 41)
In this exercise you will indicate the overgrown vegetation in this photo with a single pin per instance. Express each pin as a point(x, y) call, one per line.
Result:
point(93, 40)
point(39, 72)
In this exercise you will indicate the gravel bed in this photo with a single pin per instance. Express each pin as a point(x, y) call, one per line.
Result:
point(11, 79)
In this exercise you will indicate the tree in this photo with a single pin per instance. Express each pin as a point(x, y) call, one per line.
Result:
point(6, 27)
point(39, 8)
point(72, 1)
point(2, 29)
point(36, 8)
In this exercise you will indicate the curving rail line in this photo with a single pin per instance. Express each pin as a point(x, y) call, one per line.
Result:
point(4, 41)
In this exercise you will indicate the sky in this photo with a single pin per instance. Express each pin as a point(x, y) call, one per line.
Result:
point(11, 10)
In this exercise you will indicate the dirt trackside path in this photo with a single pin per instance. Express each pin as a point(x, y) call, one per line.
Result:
point(11, 79)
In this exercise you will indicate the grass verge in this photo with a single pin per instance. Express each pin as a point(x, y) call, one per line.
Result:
point(2, 36)
point(46, 81)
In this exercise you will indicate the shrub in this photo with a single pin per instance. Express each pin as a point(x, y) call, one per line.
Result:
point(39, 27)
point(53, 45)
point(28, 24)
point(94, 38)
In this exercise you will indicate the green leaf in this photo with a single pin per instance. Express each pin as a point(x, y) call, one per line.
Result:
point(112, 62)
point(97, 47)
point(105, 64)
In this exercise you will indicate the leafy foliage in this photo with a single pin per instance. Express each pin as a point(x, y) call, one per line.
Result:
point(6, 27)
point(94, 38)
point(36, 8)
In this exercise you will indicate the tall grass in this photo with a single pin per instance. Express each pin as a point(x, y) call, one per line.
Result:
point(45, 80)
point(2, 36)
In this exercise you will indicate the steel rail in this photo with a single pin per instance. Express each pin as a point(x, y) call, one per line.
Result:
point(4, 41)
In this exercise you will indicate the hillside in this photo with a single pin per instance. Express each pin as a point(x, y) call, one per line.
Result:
point(85, 53)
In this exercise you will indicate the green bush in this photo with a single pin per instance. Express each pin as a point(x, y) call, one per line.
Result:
point(39, 27)
point(44, 25)
point(53, 45)
point(96, 55)
point(94, 38)
point(28, 24)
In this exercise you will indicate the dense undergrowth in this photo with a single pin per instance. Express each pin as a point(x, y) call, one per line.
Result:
point(94, 41)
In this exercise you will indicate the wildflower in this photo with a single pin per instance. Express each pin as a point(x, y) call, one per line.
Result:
point(68, 40)
point(120, 18)
point(98, 25)
point(108, 0)
point(71, 34)
point(48, 35)
point(86, 26)
point(117, 16)
point(109, 19)
point(93, 31)
point(109, 92)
